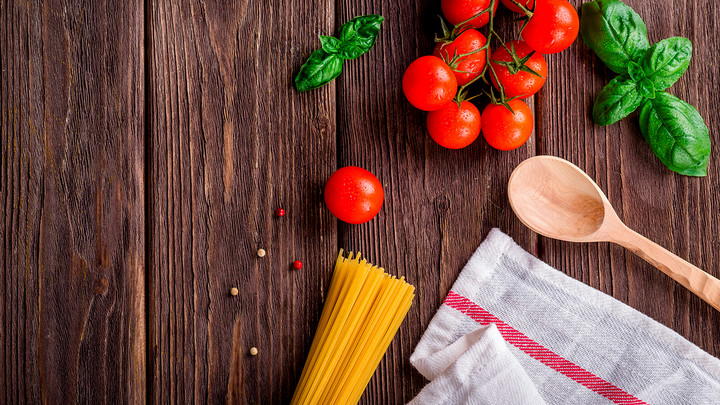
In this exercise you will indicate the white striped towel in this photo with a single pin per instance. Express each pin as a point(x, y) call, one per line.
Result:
point(513, 330)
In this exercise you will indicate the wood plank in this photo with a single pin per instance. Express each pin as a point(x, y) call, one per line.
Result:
point(72, 320)
point(231, 141)
point(678, 212)
point(439, 203)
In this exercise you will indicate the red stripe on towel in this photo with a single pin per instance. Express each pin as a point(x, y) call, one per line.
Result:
point(540, 352)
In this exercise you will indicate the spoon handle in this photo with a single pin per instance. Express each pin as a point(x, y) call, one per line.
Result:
point(694, 279)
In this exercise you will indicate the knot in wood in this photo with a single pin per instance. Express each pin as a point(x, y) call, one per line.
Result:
point(321, 124)
point(441, 204)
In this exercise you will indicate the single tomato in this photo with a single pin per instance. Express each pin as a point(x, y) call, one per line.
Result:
point(507, 130)
point(353, 195)
point(468, 44)
point(454, 127)
point(553, 26)
point(429, 83)
point(512, 7)
point(457, 11)
point(522, 83)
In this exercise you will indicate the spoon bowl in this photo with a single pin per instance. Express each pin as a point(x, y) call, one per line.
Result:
point(555, 198)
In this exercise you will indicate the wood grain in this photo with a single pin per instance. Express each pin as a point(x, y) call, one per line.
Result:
point(72, 286)
point(232, 141)
point(679, 213)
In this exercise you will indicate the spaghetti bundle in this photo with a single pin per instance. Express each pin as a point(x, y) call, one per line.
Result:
point(363, 310)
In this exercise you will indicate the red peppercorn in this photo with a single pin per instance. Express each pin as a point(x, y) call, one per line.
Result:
point(297, 265)
point(280, 212)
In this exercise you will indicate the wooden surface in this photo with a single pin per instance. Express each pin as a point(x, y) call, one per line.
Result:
point(146, 145)
point(72, 295)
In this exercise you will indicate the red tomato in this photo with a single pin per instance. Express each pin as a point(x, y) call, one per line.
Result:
point(512, 7)
point(429, 83)
point(469, 41)
point(454, 127)
point(457, 11)
point(553, 26)
point(353, 195)
point(522, 84)
point(504, 130)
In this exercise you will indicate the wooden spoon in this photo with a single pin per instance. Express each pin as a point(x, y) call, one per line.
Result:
point(553, 197)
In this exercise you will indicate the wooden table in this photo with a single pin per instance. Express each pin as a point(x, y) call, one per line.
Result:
point(146, 146)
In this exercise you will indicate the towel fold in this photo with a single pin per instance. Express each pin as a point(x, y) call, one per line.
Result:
point(513, 330)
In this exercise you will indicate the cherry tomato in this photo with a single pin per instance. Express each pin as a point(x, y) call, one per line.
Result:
point(454, 127)
point(469, 41)
point(429, 83)
point(522, 83)
point(504, 130)
point(553, 26)
point(353, 195)
point(512, 7)
point(457, 11)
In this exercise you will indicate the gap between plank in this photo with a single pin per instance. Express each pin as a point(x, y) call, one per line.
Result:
point(147, 187)
point(339, 228)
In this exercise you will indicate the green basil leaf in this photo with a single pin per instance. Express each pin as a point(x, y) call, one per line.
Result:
point(646, 88)
point(616, 101)
point(330, 44)
point(666, 61)
point(614, 31)
point(676, 133)
point(318, 70)
point(358, 35)
point(636, 72)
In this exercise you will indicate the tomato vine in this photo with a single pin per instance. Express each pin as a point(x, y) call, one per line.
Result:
point(517, 65)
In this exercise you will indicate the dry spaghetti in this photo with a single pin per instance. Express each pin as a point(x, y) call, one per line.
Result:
point(363, 310)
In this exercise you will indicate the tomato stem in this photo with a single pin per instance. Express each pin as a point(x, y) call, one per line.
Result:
point(460, 27)
point(456, 59)
point(527, 11)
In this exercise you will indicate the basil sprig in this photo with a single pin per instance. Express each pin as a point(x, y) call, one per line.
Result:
point(673, 128)
point(356, 38)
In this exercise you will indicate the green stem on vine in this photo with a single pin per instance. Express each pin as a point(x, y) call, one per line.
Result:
point(456, 59)
point(472, 97)
point(488, 65)
point(527, 11)
point(461, 25)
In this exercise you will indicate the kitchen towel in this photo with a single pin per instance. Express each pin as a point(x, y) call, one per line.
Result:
point(513, 330)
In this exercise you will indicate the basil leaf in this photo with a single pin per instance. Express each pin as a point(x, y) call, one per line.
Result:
point(636, 72)
point(330, 44)
point(318, 70)
point(646, 88)
point(616, 101)
point(676, 133)
point(358, 35)
point(666, 61)
point(614, 31)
